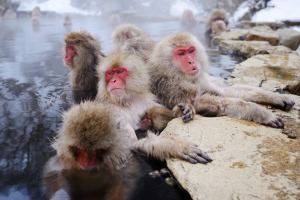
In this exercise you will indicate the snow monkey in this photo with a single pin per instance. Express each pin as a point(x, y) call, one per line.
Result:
point(216, 22)
point(130, 39)
point(35, 16)
point(93, 142)
point(82, 53)
point(179, 74)
point(124, 83)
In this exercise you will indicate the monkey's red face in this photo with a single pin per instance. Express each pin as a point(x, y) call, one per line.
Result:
point(116, 80)
point(187, 57)
point(69, 54)
point(86, 160)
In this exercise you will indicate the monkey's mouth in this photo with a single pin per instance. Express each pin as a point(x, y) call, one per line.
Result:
point(193, 71)
point(117, 91)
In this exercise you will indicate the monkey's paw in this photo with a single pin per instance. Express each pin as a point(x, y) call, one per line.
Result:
point(271, 120)
point(194, 155)
point(283, 102)
point(186, 111)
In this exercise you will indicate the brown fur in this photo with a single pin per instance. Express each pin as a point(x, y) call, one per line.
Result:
point(131, 39)
point(83, 75)
point(172, 86)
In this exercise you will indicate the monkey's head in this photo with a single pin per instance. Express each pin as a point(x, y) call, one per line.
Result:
point(128, 37)
point(216, 14)
point(122, 79)
point(81, 49)
point(91, 137)
point(182, 54)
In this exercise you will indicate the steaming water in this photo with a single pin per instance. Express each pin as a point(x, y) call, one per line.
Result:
point(34, 90)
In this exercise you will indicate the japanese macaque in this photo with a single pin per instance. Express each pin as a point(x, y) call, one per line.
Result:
point(130, 39)
point(93, 143)
point(114, 20)
point(188, 19)
point(82, 55)
point(35, 16)
point(124, 83)
point(179, 74)
point(67, 21)
point(216, 22)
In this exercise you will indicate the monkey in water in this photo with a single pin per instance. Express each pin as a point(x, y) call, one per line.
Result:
point(178, 69)
point(216, 22)
point(131, 39)
point(93, 149)
point(82, 54)
point(124, 83)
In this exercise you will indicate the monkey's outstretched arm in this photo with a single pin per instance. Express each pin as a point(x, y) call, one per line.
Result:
point(170, 146)
point(247, 93)
point(209, 105)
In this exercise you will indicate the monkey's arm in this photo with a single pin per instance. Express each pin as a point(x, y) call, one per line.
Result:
point(247, 93)
point(170, 146)
point(209, 105)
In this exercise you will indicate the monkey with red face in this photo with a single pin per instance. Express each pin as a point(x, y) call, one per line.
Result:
point(82, 54)
point(179, 74)
point(94, 159)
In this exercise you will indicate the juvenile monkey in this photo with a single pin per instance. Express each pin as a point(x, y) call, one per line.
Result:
point(124, 83)
point(179, 74)
point(130, 39)
point(188, 18)
point(93, 143)
point(216, 22)
point(82, 55)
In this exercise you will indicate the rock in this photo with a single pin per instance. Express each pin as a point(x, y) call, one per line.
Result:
point(250, 24)
point(234, 34)
point(271, 72)
point(249, 160)
point(10, 14)
point(289, 38)
point(263, 33)
point(247, 49)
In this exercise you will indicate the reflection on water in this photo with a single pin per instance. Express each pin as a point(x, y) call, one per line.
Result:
point(34, 90)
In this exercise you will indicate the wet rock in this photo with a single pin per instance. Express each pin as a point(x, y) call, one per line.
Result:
point(10, 14)
point(247, 49)
point(250, 24)
point(271, 72)
point(289, 38)
point(263, 33)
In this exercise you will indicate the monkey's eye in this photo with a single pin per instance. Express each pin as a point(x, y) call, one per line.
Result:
point(181, 53)
point(191, 51)
point(110, 73)
point(120, 71)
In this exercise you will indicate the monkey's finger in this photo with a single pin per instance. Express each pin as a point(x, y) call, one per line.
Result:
point(186, 118)
point(203, 155)
point(276, 123)
point(188, 158)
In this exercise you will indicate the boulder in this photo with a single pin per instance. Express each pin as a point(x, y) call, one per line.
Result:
point(247, 49)
point(263, 33)
point(270, 72)
point(289, 38)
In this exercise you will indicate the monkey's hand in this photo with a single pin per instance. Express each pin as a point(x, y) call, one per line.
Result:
point(185, 111)
point(194, 155)
point(171, 146)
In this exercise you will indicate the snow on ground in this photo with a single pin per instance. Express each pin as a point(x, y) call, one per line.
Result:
point(58, 6)
point(279, 10)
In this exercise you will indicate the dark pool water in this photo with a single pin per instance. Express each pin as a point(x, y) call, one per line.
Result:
point(34, 90)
